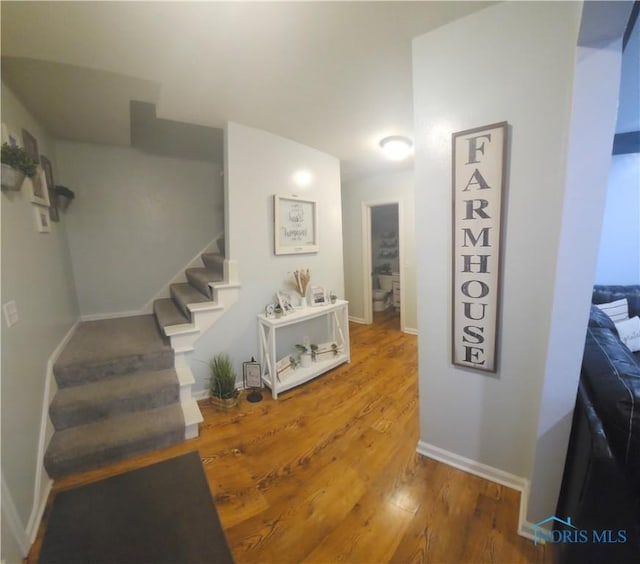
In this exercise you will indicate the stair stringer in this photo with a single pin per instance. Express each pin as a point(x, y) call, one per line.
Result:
point(184, 336)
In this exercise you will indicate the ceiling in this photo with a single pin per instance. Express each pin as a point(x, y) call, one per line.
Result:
point(332, 75)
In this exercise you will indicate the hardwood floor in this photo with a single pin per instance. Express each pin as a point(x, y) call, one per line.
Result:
point(329, 472)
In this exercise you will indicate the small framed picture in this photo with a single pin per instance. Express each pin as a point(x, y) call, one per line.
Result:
point(284, 300)
point(318, 296)
point(43, 224)
point(270, 311)
point(39, 188)
point(252, 376)
point(30, 145)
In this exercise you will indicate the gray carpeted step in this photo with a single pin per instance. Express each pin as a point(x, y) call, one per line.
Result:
point(214, 261)
point(80, 405)
point(112, 347)
point(185, 294)
point(201, 277)
point(167, 313)
point(90, 446)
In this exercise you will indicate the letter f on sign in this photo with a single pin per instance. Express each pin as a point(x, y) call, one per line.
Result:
point(475, 148)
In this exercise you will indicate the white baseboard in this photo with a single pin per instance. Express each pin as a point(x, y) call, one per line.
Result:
point(522, 485)
point(357, 320)
point(202, 394)
point(410, 331)
point(116, 315)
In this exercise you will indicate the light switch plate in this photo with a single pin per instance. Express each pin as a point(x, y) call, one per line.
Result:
point(10, 313)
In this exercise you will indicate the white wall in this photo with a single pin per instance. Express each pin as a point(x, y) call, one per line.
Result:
point(260, 165)
point(36, 274)
point(137, 219)
point(399, 187)
point(619, 257)
point(595, 97)
point(464, 79)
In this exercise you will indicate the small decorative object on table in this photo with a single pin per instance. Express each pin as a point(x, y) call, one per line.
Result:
point(252, 380)
point(277, 312)
point(333, 297)
point(301, 279)
point(223, 382)
point(284, 301)
point(304, 352)
point(270, 311)
point(318, 296)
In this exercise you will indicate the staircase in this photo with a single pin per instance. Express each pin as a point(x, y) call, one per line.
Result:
point(124, 385)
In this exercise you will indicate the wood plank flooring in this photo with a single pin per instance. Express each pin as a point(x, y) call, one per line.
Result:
point(329, 472)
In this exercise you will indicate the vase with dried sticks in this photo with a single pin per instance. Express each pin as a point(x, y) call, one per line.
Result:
point(301, 279)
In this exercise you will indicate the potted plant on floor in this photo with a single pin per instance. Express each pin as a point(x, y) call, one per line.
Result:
point(222, 383)
point(16, 164)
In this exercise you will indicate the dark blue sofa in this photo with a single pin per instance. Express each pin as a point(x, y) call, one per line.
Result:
point(601, 482)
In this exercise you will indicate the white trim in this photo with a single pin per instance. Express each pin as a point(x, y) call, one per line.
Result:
point(367, 266)
point(522, 485)
point(357, 320)
point(201, 395)
point(43, 483)
point(116, 315)
point(410, 331)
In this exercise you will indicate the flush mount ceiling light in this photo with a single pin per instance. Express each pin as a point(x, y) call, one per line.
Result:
point(396, 147)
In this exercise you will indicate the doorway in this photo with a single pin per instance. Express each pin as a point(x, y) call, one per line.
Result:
point(382, 255)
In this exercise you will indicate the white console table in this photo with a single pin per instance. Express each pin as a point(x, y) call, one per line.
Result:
point(337, 315)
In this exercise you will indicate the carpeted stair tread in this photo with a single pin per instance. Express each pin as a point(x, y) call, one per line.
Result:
point(167, 313)
point(90, 446)
point(213, 261)
point(79, 405)
point(201, 277)
point(112, 347)
point(185, 294)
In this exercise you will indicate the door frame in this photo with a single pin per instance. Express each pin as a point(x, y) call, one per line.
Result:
point(367, 265)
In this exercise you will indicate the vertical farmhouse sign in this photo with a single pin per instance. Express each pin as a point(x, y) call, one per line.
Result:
point(479, 157)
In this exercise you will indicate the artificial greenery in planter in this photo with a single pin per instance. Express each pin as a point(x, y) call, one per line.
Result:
point(64, 196)
point(222, 384)
point(305, 355)
point(16, 164)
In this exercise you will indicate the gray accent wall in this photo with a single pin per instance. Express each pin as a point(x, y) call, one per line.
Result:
point(136, 221)
point(37, 275)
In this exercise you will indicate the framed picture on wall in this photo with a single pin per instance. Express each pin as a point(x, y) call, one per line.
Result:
point(295, 225)
point(48, 173)
point(30, 145)
point(43, 224)
point(39, 188)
